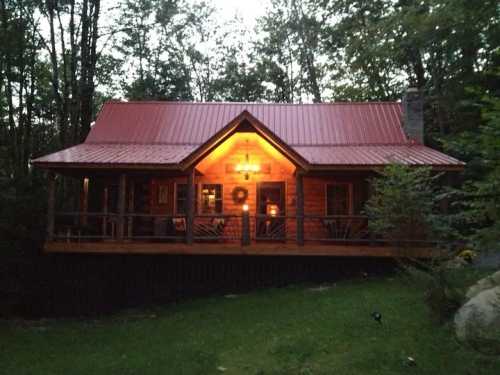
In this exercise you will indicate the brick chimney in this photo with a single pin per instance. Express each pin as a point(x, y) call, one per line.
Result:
point(413, 115)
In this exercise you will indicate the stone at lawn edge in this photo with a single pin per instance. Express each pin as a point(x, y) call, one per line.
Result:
point(478, 321)
point(488, 282)
point(455, 263)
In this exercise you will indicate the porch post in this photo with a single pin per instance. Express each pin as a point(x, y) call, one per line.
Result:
point(51, 188)
point(131, 208)
point(299, 200)
point(245, 228)
point(84, 200)
point(122, 189)
point(105, 212)
point(190, 207)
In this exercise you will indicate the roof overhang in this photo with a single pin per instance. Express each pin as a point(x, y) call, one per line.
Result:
point(377, 167)
point(114, 166)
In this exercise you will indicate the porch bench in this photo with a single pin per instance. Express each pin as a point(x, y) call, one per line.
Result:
point(211, 230)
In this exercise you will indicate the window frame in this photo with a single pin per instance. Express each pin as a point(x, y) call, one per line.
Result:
point(221, 199)
point(159, 188)
point(350, 196)
point(176, 206)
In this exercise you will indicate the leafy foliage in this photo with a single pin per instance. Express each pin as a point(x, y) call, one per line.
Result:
point(404, 202)
point(480, 197)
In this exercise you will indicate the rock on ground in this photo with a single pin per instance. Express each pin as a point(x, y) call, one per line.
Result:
point(478, 321)
point(486, 283)
point(456, 263)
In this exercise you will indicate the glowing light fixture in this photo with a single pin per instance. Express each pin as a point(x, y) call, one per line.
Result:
point(247, 168)
point(245, 207)
point(272, 209)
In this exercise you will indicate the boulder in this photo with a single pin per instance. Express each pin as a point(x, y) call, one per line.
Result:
point(456, 263)
point(478, 321)
point(488, 282)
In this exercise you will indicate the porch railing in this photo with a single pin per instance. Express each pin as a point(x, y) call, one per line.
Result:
point(274, 228)
point(337, 228)
point(79, 226)
point(244, 229)
point(217, 228)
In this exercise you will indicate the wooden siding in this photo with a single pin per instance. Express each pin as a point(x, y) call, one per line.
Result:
point(218, 168)
point(213, 170)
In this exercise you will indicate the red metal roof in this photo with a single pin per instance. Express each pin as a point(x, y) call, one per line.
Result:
point(89, 153)
point(164, 133)
point(375, 155)
point(295, 124)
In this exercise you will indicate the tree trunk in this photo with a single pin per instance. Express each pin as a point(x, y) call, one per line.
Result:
point(74, 109)
point(61, 121)
point(8, 86)
point(90, 18)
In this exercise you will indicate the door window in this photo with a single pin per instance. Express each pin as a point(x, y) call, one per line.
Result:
point(338, 199)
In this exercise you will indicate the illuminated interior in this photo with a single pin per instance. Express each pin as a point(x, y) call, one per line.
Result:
point(239, 150)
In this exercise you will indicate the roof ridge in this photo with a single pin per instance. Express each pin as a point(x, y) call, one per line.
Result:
point(355, 144)
point(180, 102)
point(140, 143)
point(181, 144)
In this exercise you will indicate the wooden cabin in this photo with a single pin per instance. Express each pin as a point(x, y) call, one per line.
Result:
point(233, 178)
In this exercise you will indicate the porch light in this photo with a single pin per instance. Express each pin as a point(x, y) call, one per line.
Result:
point(245, 207)
point(272, 209)
point(247, 168)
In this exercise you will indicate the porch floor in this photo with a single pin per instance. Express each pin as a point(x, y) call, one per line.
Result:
point(280, 249)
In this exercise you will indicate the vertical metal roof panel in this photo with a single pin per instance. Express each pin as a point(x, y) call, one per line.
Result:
point(324, 134)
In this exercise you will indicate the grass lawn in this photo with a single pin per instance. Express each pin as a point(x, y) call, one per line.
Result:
point(294, 330)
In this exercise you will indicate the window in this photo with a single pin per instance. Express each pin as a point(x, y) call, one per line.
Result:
point(162, 194)
point(181, 198)
point(211, 199)
point(338, 199)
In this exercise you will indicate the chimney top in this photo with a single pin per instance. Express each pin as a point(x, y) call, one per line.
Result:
point(413, 108)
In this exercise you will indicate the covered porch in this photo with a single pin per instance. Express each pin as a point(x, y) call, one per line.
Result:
point(319, 214)
point(243, 192)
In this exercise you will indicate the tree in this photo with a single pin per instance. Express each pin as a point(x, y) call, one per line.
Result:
point(480, 195)
point(19, 49)
point(291, 49)
point(404, 205)
point(440, 46)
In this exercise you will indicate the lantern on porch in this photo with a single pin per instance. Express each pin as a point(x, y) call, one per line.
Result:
point(247, 168)
point(272, 209)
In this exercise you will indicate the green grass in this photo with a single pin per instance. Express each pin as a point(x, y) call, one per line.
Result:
point(292, 330)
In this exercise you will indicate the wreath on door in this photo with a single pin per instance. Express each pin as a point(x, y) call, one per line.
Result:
point(240, 195)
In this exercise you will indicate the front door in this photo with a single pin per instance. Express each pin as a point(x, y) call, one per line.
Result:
point(270, 220)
